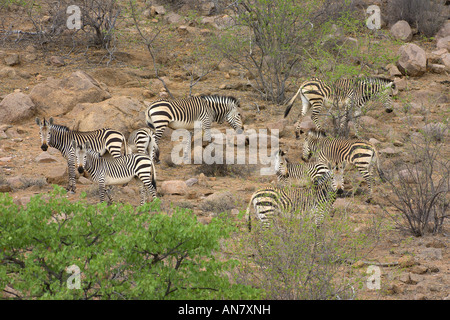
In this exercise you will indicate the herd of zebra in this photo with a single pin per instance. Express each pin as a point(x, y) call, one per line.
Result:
point(135, 157)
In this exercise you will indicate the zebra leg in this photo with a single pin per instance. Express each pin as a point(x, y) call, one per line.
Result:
point(368, 177)
point(71, 168)
point(142, 192)
point(298, 130)
point(315, 118)
point(108, 192)
point(102, 191)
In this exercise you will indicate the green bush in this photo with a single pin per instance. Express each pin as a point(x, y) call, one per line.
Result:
point(122, 252)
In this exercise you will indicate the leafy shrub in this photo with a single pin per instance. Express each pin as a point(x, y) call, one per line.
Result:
point(294, 260)
point(122, 252)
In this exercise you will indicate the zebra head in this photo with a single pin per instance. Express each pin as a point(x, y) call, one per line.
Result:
point(310, 144)
point(82, 152)
point(233, 115)
point(380, 88)
point(44, 132)
point(387, 92)
point(228, 108)
point(281, 163)
point(336, 171)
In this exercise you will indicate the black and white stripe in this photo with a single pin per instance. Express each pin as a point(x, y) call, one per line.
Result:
point(353, 94)
point(61, 137)
point(301, 174)
point(316, 199)
point(143, 140)
point(182, 113)
point(114, 171)
point(362, 154)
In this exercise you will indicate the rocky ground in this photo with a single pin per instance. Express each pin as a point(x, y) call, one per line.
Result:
point(86, 95)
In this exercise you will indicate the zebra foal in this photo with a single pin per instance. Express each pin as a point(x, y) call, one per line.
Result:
point(362, 154)
point(114, 171)
point(182, 113)
point(272, 201)
point(353, 94)
point(60, 137)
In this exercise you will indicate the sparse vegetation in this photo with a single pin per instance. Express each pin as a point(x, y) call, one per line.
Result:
point(294, 260)
point(421, 185)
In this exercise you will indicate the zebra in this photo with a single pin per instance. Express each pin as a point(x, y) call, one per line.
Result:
point(315, 172)
point(362, 154)
point(182, 113)
point(114, 171)
point(143, 141)
point(271, 201)
point(60, 137)
point(352, 93)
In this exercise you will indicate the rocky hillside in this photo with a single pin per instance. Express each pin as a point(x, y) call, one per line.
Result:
point(82, 92)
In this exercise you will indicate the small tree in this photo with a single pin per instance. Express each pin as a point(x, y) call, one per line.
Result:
point(420, 182)
point(292, 259)
point(121, 252)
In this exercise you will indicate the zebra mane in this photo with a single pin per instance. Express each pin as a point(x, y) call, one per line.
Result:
point(220, 99)
point(60, 127)
point(317, 133)
point(372, 79)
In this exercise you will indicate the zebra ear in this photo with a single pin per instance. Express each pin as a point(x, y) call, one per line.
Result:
point(87, 145)
point(74, 144)
point(38, 121)
point(50, 121)
point(329, 166)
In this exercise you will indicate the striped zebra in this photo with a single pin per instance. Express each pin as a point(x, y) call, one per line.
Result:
point(300, 173)
point(182, 113)
point(353, 94)
point(272, 201)
point(113, 171)
point(61, 137)
point(143, 141)
point(362, 154)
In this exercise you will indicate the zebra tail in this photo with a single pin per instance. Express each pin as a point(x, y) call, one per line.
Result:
point(153, 175)
point(126, 149)
point(247, 215)
point(291, 102)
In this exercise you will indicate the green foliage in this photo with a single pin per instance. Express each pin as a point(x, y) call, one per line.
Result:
point(122, 252)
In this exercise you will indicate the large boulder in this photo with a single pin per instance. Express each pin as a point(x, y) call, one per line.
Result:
point(55, 97)
point(446, 61)
point(412, 60)
point(178, 187)
point(121, 113)
point(443, 43)
point(444, 31)
point(402, 31)
point(16, 107)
